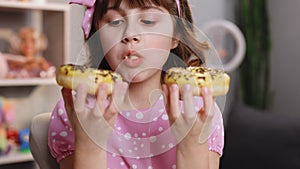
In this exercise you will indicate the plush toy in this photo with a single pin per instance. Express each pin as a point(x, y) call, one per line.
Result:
point(7, 111)
point(6, 116)
point(4, 146)
point(24, 141)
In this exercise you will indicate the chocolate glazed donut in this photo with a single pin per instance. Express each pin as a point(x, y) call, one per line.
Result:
point(199, 77)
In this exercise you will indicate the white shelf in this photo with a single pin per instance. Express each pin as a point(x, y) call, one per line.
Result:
point(34, 95)
point(34, 5)
point(27, 82)
point(15, 157)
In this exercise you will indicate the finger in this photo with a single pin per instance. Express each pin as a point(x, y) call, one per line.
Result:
point(165, 91)
point(173, 111)
point(174, 108)
point(69, 105)
point(206, 114)
point(207, 109)
point(117, 98)
point(80, 100)
point(66, 93)
point(119, 95)
point(188, 104)
point(102, 94)
point(68, 99)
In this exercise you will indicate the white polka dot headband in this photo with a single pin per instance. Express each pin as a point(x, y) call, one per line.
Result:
point(90, 8)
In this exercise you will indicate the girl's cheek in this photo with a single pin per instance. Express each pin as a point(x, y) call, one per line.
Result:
point(159, 42)
point(110, 37)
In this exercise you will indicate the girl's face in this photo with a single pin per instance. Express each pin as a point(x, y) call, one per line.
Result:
point(28, 44)
point(137, 41)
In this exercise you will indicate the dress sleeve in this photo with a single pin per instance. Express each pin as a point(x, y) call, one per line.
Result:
point(216, 139)
point(60, 133)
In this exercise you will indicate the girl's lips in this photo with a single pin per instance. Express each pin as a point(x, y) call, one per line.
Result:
point(132, 58)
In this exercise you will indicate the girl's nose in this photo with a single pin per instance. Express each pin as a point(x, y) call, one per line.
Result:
point(131, 39)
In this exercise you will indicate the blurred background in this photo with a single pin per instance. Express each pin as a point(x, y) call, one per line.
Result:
point(261, 112)
point(264, 133)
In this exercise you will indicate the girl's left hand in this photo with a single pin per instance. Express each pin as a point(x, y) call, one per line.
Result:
point(190, 127)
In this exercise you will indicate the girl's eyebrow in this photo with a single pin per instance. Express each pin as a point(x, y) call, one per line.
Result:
point(144, 8)
point(121, 11)
point(151, 7)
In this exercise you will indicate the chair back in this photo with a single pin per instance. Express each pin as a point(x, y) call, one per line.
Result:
point(38, 141)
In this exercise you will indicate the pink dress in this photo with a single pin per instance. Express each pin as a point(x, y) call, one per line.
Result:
point(141, 138)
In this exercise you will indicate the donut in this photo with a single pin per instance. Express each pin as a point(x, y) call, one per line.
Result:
point(215, 79)
point(71, 75)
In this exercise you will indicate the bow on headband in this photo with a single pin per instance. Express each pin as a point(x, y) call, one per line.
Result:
point(88, 15)
point(89, 12)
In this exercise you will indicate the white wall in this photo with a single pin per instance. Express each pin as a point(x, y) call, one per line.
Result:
point(285, 55)
point(76, 38)
point(205, 11)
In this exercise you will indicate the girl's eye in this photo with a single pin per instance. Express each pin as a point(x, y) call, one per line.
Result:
point(147, 22)
point(116, 22)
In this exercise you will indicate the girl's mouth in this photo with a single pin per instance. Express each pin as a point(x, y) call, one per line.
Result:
point(132, 58)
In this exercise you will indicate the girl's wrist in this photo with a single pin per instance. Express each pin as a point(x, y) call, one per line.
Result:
point(88, 155)
point(85, 143)
point(192, 156)
point(191, 147)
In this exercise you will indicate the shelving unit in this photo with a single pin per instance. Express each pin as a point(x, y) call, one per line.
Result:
point(35, 95)
point(34, 6)
point(53, 19)
point(15, 157)
point(27, 82)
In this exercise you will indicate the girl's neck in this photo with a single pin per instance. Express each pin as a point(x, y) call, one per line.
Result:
point(145, 94)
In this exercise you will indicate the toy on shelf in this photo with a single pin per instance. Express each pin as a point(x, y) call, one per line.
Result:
point(3, 66)
point(10, 139)
point(4, 146)
point(24, 58)
point(24, 141)
point(6, 117)
point(7, 111)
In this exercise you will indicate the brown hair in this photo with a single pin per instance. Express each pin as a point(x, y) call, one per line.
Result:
point(184, 29)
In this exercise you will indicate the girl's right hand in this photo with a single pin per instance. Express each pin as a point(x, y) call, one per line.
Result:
point(93, 124)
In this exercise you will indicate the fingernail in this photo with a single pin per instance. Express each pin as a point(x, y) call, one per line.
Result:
point(174, 87)
point(204, 90)
point(187, 87)
point(82, 86)
point(103, 86)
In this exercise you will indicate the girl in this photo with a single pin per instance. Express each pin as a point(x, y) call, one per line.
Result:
point(143, 124)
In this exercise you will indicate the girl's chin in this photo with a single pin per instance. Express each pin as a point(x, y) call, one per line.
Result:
point(135, 79)
point(142, 76)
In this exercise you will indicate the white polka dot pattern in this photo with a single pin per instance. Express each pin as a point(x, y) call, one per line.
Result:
point(141, 139)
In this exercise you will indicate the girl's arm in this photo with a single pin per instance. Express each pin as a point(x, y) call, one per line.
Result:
point(84, 157)
point(199, 157)
point(192, 151)
point(90, 126)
